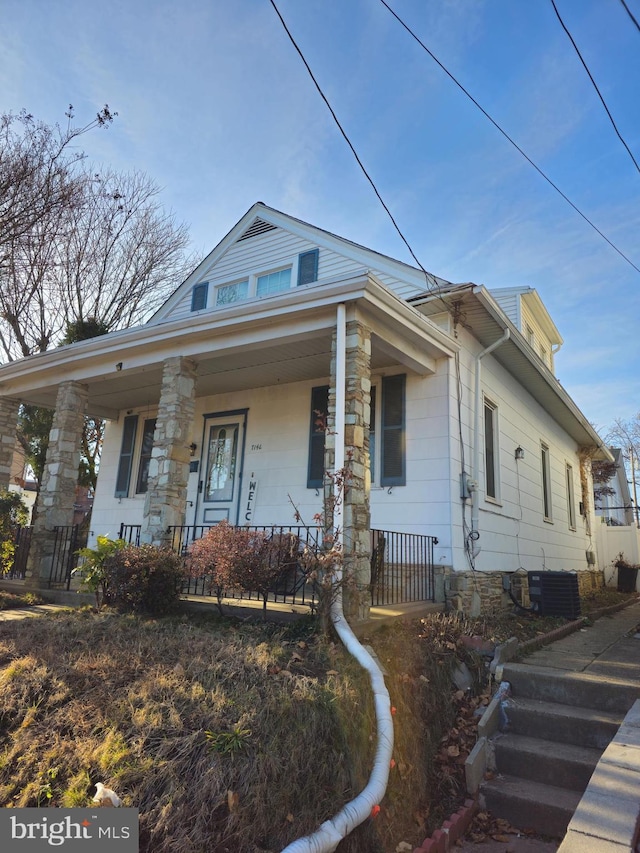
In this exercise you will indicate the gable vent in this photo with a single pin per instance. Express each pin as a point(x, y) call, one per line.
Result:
point(259, 226)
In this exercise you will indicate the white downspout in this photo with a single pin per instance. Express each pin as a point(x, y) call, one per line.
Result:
point(327, 837)
point(475, 471)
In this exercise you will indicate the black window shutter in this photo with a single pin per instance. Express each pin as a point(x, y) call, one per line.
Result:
point(308, 267)
point(199, 296)
point(126, 456)
point(393, 431)
point(317, 431)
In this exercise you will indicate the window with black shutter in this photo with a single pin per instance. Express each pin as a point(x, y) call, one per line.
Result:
point(393, 431)
point(317, 432)
point(145, 456)
point(126, 456)
point(308, 267)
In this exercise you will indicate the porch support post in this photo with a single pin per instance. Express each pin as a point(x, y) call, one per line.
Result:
point(356, 516)
point(8, 423)
point(165, 503)
point(58, 490)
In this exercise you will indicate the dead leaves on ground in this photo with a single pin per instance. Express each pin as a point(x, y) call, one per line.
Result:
point(486, 827)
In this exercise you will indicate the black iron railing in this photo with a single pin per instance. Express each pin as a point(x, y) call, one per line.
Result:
point(293, 586)
point(65, 557)
point(401, 567)
point(21, 541)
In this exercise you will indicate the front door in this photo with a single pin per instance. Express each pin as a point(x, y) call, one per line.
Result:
point(221, 471)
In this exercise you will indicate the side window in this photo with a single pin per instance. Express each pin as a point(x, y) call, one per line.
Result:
point(491, 450)
point(145, 455)
point(546, 482)
point(199, 296)
point(308, 267)
point(571, 498)
point(317, 431)
point(123, 477)
point(393, 431)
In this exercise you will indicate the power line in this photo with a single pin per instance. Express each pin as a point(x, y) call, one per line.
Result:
point(628, 11)
point(595, 86)
point(507, 137)
point(429, 277)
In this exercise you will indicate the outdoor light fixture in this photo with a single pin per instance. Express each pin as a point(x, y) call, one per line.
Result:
point(192, 449)
point(119, 366)
point(519, 452)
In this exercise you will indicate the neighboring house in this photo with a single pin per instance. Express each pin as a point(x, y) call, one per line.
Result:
point(617, 531)
point(615, 506)
point(455, 426)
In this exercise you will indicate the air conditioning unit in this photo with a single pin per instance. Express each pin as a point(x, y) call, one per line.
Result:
point(554, 594)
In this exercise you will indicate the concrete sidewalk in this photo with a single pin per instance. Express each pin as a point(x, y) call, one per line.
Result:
point(608, 648)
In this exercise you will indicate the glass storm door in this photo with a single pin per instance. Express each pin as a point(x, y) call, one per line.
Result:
point(220, 475)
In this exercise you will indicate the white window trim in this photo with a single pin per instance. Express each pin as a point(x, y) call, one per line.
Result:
point(488, 403)
point(252, 279)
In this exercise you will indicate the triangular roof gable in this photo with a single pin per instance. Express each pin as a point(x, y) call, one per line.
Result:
point(258, 219)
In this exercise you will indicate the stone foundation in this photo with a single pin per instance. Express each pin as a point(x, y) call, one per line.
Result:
point(479, 594)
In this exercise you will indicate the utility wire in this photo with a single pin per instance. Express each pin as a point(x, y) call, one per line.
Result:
point(429, 277)
point(595, 86)
point(628, 11)
point(506, 136)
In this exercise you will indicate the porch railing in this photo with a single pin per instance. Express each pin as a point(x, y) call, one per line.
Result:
point(65, 558)
point(402, 567)
point(292, 587)
point(21, 541)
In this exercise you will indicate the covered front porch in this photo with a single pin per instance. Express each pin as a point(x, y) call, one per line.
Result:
point(166, 374)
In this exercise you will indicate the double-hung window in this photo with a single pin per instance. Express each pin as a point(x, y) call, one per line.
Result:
point(491, 456)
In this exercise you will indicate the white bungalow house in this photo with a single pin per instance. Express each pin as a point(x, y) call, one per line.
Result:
point(455, 428)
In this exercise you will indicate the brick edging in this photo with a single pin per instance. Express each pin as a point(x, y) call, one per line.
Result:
point(444, 839)
point(570, 627)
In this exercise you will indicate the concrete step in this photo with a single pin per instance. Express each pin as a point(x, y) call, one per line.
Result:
point(572, 688)
point(562, 723)
point(561, 764)
point(530, 805)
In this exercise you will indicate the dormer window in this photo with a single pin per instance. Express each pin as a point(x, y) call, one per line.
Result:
point(236, 292)
point(273, 282)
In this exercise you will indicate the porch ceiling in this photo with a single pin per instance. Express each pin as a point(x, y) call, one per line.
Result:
point(281, 340)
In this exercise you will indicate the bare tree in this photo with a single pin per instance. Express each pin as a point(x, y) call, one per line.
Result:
point(37, 172)
point(83, 251)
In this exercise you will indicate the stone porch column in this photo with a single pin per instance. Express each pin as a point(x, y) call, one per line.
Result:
point(356, 516)
point(165, 503)
point(8, 422)
point(58, 491)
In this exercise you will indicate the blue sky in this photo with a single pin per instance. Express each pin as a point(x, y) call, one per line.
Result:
point(215, 105)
